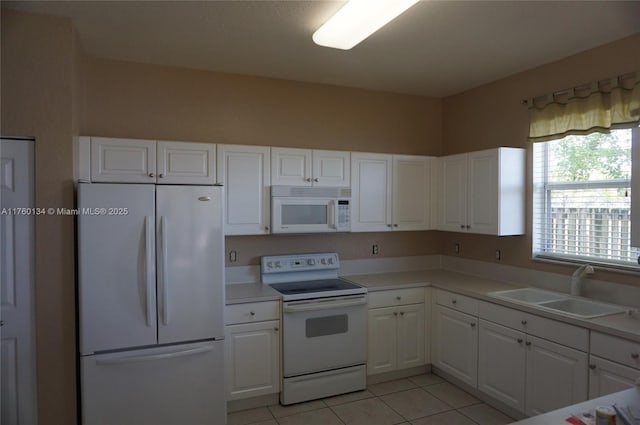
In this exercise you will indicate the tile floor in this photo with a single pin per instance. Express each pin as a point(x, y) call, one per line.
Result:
point(419, 400)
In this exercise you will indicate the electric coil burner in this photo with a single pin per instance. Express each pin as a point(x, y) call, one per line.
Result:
point(324, 326)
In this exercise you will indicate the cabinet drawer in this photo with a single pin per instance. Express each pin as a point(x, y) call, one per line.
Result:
point(396, 297)
point(505, 316)
point(251, 312)
point(617, 349)
point(457, 302)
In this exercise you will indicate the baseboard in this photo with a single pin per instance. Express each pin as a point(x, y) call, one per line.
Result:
point(507, 410)
point(397, 374)
point(253, 402)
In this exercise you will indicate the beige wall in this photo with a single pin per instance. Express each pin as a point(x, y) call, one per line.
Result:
point(492, 115)
point(37, 78)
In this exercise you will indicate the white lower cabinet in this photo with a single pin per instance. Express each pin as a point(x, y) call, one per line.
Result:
point(396, 334)
point(614, 364)
point(455, 344)
point(252, 350)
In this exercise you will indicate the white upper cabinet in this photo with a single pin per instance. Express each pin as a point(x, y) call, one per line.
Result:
point(148, 161)
point(483, 192)
point(307, 167)
point(245, 173)
point(186, 163)
point(390, 192)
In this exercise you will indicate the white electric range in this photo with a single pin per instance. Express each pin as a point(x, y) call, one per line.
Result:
point(324, 322)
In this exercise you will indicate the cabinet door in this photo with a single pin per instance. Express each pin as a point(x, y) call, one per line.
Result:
point(410, 336)
point(382, 340)
point(245, 173)
point(635, 188)
point(331, 168)
point(606, 377)
point(455, 346)
point(501, 363)
point(123, 160)
point(252, 360)
point(453, 193)
point(556, 376)
point(290, 167)
point(370, 192)
point(411, 192)
point(186, 163)
point(482, 192)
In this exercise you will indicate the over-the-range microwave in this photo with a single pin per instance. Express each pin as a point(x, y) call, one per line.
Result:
point(301, 209)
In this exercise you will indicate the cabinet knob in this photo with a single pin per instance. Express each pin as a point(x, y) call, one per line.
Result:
point(454, 301)
point(468, 226)
point(395, 225)
point(151, 175)
point(524, 322)
point(252, 313)
point(266, 228)
point(316, 180)
point(519, 340)
point(398, 298)
point(388, 225)
point(528, 343)
point(276, 329)
point(395, 313)
point(1, 323)
point(635, 355)
point(402, 313)
point(592, 367)
point(473, 325)
point(161, 175)
point(462, 226)
point(308, 179)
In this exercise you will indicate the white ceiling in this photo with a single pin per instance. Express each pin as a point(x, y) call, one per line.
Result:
point(436, 48)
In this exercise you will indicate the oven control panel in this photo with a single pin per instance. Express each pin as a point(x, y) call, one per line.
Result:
point(311, 266)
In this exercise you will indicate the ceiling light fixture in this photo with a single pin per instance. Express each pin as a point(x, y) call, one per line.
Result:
point(357, 20)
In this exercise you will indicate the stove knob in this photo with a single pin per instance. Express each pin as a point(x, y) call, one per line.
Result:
point(278, 265)
point(323, 261)
point(330, 260)
point(311, 262)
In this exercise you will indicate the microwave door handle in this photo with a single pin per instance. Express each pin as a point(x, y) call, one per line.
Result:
point(332, 214)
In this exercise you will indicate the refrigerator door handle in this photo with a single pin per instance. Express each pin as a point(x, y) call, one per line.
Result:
point(151, 357)
point(150, 283)
point(165, 279)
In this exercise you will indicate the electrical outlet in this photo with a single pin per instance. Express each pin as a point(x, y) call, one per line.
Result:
point(456, 248)
point(233, 256)
point(374, 249)
point(498, 255)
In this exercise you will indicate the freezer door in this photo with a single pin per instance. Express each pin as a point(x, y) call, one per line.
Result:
point(179, 384)
point(189, 263)
point(116, 266)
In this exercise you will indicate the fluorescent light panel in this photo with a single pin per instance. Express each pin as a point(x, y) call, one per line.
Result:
point(357, 20)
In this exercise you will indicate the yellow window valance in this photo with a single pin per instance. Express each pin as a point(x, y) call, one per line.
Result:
point(597, 107)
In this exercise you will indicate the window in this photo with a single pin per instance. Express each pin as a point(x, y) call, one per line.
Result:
point(582, 199)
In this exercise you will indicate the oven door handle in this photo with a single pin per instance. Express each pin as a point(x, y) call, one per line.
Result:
point(299, 306)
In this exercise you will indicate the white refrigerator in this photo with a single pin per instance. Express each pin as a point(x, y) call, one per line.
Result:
point(151, 298)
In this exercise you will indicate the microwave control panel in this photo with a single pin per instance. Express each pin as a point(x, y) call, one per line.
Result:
point(343, 223)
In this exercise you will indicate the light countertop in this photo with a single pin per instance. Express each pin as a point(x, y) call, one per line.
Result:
point(239, 293)
point(630, 397)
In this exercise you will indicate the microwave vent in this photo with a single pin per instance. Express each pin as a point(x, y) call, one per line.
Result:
point(310, 192)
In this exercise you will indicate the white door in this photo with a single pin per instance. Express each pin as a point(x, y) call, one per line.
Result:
point(482, 193)
point(245, 172)
point(189, 262)
point(331, 168)
point(382, 340)
point(371, 192)
point(453, 193)
point(17, 354)
point(556, 376)
point(607, 377)
point(116, 266)
point(456, 344)
point(410, 336)
point(123, 160)
point(411, 192)
point(291, 167)
point(249, 374)
point(186, 163)
point(501, 363)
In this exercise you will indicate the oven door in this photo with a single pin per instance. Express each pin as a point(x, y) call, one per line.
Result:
point(324, 334)
point(303, 215)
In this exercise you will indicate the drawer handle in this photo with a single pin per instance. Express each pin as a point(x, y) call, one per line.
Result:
point(635, 355)
point(473, 325)
point(524, 322)
point(454, 301)
point(519, 340)
point(592, 367)
point(252, 313)
point(398, 298)
point(528, 343)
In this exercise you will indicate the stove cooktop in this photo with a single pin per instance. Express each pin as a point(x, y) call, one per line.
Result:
point(317, 289)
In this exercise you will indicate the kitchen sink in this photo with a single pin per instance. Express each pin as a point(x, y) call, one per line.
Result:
point(558, 303)
point(582, 308)
point(528, 295)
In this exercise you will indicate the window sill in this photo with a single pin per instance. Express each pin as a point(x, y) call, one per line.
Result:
point(599, 265)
